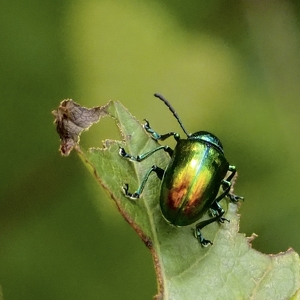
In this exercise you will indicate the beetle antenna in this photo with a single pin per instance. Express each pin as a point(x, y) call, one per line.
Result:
point(172, 110)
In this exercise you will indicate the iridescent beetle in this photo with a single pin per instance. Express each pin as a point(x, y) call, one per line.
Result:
point(192, 179)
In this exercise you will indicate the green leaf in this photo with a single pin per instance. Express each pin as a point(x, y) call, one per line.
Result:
point(230, 269)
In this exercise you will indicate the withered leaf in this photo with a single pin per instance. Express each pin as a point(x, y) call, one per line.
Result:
point(71, 119)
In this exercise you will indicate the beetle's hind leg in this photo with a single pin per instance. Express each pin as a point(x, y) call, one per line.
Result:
point(218, 213)
point(159, 172)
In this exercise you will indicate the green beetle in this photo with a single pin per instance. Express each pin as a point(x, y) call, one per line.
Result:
point(192, 179)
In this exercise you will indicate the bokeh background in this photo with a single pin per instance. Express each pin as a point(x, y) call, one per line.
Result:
point(229, 68)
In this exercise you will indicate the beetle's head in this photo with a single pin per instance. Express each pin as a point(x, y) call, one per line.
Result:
point(207, 138)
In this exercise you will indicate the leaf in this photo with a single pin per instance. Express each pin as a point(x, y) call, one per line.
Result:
point(230, 269)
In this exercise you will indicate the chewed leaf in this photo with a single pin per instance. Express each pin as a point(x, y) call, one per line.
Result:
point(230, 269)
point(71, 119)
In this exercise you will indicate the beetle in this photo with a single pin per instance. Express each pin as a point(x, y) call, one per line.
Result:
point(195, 180)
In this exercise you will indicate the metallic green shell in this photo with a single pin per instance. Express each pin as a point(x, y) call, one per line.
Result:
point(191, 181)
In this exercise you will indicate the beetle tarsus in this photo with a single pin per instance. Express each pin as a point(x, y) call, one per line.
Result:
point(130, 195)
point(206, 243)
point(122, 152)
point(222, 220)
point(235, 198)
point(156, 136)
point(201, 239)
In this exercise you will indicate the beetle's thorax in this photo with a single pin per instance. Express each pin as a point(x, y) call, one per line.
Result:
point(207, 137)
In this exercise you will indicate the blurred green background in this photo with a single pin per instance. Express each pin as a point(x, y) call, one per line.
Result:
point(232, 69)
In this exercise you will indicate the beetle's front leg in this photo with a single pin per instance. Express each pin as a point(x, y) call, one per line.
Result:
point(141, 157)
point(160, 137)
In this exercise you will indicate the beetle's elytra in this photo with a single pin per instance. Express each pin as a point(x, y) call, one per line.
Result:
point(192, 180)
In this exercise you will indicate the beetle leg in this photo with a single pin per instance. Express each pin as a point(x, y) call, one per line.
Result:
point(226, 184)
point(129, 195)
point(159, 172)
point(156, 136)
point(232, 169)
point(201, 239)
point(235, 198)
point(222, 220)
point(219, 212)
point(141, 157)
point(214, 211)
